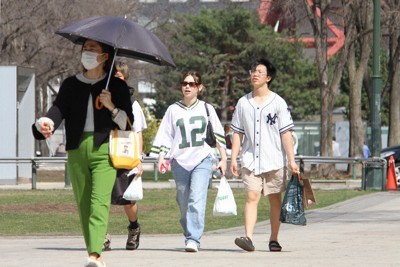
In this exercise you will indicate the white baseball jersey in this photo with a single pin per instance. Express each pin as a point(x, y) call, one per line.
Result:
point(182, 132)
point(139, 123)
point(262, 125)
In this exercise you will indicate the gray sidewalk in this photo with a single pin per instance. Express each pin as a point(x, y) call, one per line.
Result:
point(364, 231)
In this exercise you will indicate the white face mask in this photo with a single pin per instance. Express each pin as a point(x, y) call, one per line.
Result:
point(89, 60)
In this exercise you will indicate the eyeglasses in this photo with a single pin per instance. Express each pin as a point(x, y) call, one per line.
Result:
point(191, 84)
point(259, 73)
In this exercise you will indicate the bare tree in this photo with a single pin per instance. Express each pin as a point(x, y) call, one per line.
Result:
point(391, 25)
point(28, 34)
point(27, 37)
point(318, 12)
point(358, 57)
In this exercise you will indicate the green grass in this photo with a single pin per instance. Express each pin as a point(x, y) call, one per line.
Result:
point(150, 176)
point(53, 212)
point(59, 176)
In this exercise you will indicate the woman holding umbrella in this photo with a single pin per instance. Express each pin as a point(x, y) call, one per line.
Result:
point(90, 112)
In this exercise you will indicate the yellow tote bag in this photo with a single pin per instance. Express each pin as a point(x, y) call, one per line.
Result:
point(124, 148)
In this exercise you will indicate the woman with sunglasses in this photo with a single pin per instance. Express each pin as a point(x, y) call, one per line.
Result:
point(180, 137)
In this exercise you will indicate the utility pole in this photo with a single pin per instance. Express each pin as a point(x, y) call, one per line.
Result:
point(376, 83)
point(376, 97)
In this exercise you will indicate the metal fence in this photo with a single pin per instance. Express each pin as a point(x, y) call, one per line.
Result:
point(378, 163)
point(366, 163)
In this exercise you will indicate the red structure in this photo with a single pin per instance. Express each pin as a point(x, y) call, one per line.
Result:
point(271, 12)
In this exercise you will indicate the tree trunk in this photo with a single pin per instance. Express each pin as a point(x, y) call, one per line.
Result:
point(317, 12)
point(394, 76)
point(356, 124)
point(363, 24)
point(394, 114)
point(224, 98)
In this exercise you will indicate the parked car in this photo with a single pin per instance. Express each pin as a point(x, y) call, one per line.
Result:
point(395, 152)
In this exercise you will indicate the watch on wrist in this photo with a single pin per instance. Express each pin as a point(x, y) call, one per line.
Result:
point(114, 112)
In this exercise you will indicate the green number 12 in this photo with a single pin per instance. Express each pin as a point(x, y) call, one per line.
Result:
point(181, 124)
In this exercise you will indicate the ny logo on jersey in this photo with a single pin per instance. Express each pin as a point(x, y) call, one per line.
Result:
point(272, 120)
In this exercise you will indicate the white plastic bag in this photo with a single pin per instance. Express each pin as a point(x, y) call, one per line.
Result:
point(134, 190)
point(224, 204)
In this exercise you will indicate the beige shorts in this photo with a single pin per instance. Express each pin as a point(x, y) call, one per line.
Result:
point(267, 183)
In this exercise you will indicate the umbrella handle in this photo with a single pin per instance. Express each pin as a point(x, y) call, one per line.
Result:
point(112, 67)
point(98, 104)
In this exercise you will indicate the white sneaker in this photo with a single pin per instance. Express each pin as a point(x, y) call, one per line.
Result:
point(191, 247)
point(94, 263)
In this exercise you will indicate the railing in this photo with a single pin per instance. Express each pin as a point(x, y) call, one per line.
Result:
point(36, 162)
point(302, 160)
point(40, 161)
point(380, 162)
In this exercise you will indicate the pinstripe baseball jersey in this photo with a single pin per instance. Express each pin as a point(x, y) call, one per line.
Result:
point(182, 132)
point(262, 125)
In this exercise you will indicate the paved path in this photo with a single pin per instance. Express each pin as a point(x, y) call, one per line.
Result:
point(364, 231)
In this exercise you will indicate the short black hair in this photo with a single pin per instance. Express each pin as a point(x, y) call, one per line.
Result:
point(271, 70)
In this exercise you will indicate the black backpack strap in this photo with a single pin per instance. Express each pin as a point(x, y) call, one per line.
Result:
point(208, 114)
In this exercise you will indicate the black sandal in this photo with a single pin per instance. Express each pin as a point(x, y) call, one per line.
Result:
point(244, 243)
point(274, 246)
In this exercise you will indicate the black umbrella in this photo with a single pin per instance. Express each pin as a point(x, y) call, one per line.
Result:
point(129, 38)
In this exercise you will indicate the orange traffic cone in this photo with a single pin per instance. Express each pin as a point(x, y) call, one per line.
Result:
point(391, 176)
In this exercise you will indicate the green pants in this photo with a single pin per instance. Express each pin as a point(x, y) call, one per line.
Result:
point(92, 177)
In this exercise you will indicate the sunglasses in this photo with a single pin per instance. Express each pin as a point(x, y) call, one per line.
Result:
point(191, 84)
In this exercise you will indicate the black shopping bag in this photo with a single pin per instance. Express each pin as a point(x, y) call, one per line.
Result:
point(122, 182)
point(292, 210)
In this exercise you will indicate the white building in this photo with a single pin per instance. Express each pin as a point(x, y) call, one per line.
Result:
point(17, 114)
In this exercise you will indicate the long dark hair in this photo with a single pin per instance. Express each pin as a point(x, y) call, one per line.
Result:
point(110, 51)
point(197, 79)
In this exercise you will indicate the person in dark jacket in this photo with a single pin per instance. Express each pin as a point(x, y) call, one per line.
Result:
point(90, 112)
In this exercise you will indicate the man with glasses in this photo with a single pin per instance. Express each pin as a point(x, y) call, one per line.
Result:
point(262, 125)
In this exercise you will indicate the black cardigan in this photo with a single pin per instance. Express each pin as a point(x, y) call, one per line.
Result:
point(71, 105)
